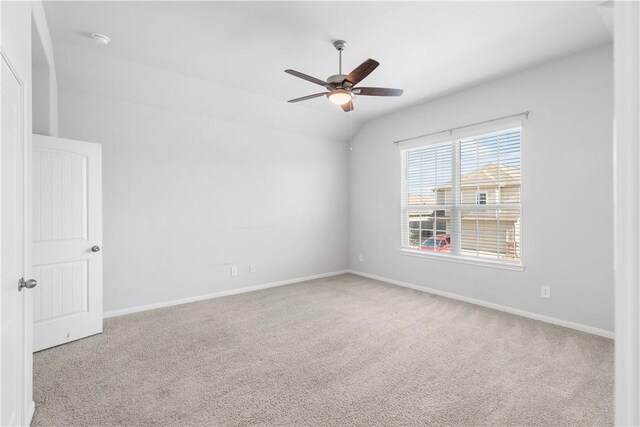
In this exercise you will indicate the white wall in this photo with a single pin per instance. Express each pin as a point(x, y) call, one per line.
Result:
point(45, 86)
point(40, 102)
point(186, 193)
point(567, 191)
point(93, 70)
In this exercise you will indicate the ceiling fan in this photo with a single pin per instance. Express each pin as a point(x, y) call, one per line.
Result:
point(341, 87)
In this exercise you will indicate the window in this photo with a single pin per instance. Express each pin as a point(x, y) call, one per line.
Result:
point(461, 198)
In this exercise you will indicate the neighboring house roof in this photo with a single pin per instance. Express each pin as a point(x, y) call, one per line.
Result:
point(488, 175)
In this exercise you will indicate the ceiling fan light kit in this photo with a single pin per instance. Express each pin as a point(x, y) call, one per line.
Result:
point(340, 96)
point(341, 87)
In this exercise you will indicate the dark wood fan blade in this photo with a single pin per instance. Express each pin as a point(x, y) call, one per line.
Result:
point(377, 91)
point(361, 71)
point(308, 78)
point(304, 98)
point(347, 107)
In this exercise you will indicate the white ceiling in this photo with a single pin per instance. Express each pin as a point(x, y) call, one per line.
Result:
point(426, 48)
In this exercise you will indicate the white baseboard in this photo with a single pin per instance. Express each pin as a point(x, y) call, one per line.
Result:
point(565, 323)
point(153, 306)
point(32, 410)
point(577, 326)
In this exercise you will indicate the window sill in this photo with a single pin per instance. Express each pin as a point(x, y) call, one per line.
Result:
point(464, 260)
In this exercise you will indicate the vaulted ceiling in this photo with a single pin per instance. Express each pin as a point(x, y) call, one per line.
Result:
point(427, 48)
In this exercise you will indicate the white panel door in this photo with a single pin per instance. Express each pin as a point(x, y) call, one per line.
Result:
point(67, 240)
point(15, 351)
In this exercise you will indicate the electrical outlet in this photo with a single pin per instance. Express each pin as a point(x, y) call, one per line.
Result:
point(234, 271)
point(361, 258)
point(252, 268)
point(545, 291)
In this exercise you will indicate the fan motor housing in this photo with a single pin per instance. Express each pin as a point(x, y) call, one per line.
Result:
point(336, 78)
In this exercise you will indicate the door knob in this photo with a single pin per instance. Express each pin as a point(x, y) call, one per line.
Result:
point(95, 248)
point(29, 284)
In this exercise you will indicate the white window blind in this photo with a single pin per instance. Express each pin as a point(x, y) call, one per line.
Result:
point(462, 197)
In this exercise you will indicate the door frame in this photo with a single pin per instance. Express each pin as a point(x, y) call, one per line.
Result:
point(626, 208)
point(27, 404)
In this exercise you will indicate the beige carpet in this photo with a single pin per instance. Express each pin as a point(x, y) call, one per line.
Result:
point(337, 351)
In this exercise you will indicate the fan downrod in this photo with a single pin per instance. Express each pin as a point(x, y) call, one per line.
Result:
point(339, 45)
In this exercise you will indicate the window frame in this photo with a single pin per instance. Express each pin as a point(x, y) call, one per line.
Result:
point(456, 205)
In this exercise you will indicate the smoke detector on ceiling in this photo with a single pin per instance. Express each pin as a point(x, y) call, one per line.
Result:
point(100, 38)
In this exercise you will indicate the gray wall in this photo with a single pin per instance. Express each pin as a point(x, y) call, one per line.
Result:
point(567, 191)
point(183, 194)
